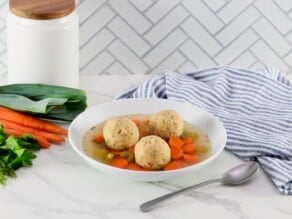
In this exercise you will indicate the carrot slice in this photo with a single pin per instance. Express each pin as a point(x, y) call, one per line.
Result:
point(30, 121)
point(175, 142)
point(192, 158)
point(189, 148)
point(147, 122)
point(134, 166)
point(142, 133)
point(119, 162)
point(136, 121)
point(116, 152)
point(98, 138)
point(176, 152)
point(187, 140)
point(173, 165)
point(132, 148)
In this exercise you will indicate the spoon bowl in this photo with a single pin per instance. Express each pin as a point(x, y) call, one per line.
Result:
point(234, 176)
point(240, 174)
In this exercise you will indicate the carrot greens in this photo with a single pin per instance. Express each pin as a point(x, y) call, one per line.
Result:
point(15, 152)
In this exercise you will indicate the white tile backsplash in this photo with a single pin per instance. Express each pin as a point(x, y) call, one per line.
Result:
point(148, 36)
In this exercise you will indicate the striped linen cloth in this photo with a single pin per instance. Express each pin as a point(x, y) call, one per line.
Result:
point(255, 107)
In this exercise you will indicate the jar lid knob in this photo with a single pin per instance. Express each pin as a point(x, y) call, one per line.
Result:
point(41, 9)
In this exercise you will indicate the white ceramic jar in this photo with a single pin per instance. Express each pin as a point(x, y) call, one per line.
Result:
point(43, 42)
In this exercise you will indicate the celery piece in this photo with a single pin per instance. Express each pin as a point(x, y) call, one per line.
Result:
point(101, 154)
point(128, 155)
point(109, 156)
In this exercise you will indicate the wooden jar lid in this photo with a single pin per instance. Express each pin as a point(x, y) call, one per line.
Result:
point(41, 9)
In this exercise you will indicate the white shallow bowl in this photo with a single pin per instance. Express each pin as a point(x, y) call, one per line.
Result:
point(194, 115)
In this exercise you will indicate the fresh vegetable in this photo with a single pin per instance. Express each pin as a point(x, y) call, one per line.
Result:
point(44, 143)
point(17, 124)
point(51, 137)
point(30, 121)
point(42, 100)
point(15, 152)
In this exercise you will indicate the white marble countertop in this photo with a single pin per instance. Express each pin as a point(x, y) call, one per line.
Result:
point(62, 185)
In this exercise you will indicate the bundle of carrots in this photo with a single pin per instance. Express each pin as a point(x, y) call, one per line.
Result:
point(17, 123)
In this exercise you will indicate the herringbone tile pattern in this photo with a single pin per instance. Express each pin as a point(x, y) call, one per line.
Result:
point(149, 36)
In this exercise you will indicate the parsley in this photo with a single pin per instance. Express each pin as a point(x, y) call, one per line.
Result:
point(15, 153)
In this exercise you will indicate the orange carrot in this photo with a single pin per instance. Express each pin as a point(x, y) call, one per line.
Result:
point(173, 165)
point(147, 122)
point(142, 133)
point(187, 140)
point(51, 137)
point(192, 158)
point(134, 166)
point(119, 162)
point(136, 121)
point(98, 138)
point(176, 152)
point(189, 148)
point(132, 148)
point(42, 141)
point(115, 152)
point(30, 121)
point(175, 142)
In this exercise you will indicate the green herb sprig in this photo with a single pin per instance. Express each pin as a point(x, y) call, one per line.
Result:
point(15, 152)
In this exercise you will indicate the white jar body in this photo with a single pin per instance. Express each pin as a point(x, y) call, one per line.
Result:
point(43, 51)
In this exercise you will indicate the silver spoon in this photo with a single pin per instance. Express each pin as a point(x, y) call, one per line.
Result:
point(235, 176)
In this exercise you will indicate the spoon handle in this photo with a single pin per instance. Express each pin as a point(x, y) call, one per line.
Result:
point(147, 206)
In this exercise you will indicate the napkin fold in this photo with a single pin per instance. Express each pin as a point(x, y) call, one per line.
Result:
point(255, 107)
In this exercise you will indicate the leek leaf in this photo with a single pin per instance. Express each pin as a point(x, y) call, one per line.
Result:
point(45, 101)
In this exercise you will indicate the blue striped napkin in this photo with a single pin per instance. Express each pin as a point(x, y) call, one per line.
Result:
point(255, 107)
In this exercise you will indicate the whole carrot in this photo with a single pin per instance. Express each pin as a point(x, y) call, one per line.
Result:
point(41, 140)
point(51, 137)
point(30, 121)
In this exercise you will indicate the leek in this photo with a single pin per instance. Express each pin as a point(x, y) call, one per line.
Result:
point(45, 101)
